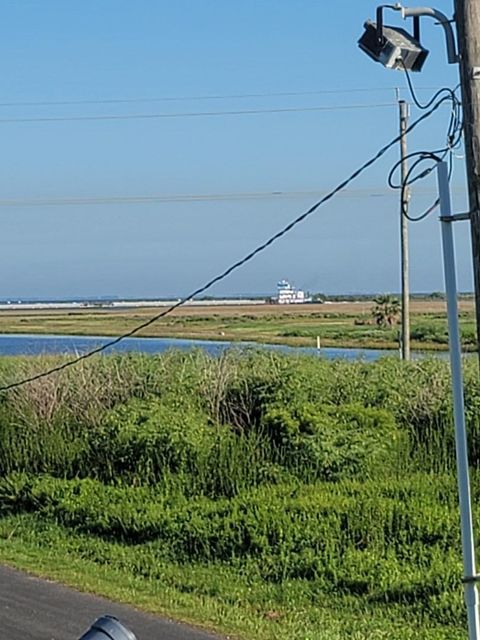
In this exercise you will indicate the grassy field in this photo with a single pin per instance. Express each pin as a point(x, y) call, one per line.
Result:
point(262, 495)
point(337, 324)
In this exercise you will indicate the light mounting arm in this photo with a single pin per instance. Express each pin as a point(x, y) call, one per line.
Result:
point(417, 12)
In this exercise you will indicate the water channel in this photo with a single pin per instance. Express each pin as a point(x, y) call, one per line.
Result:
point(30, 344)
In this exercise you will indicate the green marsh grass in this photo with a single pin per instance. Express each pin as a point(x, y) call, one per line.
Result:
point(321, 493)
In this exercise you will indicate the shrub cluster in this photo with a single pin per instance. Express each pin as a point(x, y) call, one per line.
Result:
point(382, 540)
point(338, 473)
point(122, 414)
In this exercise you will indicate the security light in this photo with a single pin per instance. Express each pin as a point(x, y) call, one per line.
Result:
point(108, 628)
point(393, 47)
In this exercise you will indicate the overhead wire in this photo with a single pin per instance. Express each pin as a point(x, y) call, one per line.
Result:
point(233, 267)
point(234, 96)
point(195, 114)
point(368, 192)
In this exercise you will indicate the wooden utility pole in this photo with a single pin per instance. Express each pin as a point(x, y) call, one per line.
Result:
point(403, 113)
point(467, 17)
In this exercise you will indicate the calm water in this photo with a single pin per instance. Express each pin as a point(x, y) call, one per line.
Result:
point(26, 344)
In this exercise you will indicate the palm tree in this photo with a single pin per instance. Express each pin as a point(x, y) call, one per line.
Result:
point(386, 310)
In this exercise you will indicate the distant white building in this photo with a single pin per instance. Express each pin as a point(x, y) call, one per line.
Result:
point(288, 294)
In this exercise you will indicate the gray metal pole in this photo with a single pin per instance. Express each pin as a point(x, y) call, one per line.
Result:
point(466, 522)
point(405, 197)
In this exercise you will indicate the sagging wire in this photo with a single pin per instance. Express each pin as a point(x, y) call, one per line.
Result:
point(233, 267)
point(453, 140)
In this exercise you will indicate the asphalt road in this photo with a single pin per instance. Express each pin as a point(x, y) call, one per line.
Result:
point(36, 609)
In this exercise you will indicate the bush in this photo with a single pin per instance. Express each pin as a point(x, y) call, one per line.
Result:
point(146, 440)
point(430, 333)
point(390, 542)
point(328, 442)
point(63, 425)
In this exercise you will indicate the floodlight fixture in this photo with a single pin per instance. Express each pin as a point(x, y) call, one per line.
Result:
point(108, 628)
point(395, 48)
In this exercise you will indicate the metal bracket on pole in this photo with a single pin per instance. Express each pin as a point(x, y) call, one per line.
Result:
point(456, 217)
point(380, 8)
point(417, 12)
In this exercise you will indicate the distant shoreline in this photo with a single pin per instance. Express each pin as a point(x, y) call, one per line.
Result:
point(126, 304)
point(346, 324)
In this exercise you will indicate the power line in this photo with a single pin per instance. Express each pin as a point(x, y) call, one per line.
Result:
point(233, 267)
point(195, 114)
point(370, 192)
point(234, 96)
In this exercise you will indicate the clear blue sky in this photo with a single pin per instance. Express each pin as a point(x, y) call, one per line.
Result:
point(54, 51)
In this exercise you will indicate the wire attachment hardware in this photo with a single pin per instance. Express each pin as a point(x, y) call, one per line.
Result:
point(456, 217)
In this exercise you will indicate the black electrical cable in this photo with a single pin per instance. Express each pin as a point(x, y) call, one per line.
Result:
point(404, 194)
point(233, 267)
point(421, 156)
point(418, 104)
point(453, 138)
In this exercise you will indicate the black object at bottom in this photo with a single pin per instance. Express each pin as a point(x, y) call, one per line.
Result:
point(108, 628)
